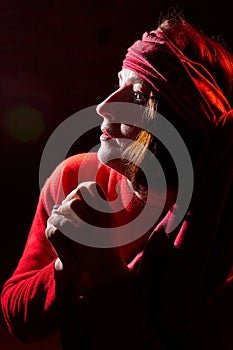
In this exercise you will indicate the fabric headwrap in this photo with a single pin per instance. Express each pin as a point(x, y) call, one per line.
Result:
point(186, 269)
point(187, 86)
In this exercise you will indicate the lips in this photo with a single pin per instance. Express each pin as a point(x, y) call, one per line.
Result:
point(105, 135)
point(115, 131)
point(110, 131)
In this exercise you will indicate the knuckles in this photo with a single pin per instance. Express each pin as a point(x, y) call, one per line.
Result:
point(73, 210)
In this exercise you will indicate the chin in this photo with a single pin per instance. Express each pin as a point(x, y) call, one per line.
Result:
point(111, 158)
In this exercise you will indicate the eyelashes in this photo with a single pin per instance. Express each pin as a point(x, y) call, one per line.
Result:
point(137, 96)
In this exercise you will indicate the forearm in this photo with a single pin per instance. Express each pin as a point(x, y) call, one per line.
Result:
point(30, 305)
point(32, 302)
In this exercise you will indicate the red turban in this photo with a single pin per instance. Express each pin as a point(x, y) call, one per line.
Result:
point(186, 85)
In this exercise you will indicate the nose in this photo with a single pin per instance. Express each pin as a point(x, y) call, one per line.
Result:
point(108, 109)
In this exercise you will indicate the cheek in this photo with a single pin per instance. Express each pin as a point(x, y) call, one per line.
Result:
point(129, 131)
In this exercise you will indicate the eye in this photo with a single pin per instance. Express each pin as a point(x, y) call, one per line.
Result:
point(139, 98)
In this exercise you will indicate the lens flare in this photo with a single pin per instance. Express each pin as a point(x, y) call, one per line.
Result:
point(24, 123)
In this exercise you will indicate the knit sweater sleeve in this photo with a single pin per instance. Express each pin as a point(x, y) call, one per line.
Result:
point(29, 301)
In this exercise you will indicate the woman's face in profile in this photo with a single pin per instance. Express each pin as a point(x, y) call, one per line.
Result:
point(122, 121)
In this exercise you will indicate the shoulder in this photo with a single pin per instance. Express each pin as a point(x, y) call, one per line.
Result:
point(82, 159)
point(83, 167)
point(78, 169)
point(66, 175)
point(87, 167)
point(73, 171)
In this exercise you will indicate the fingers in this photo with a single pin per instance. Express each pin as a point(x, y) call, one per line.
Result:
point(64, 215)
point(92, 187)
point(56, 230)
point(91, 206)
point(70, 218)
point(58, 241)
point(83, 203)
point(67, 261)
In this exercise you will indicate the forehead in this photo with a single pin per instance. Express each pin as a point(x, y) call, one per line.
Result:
point(128, 78)
point(126, 74)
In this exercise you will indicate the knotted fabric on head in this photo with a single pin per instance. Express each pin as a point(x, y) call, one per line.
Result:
point(187, 268)
point(187, 86)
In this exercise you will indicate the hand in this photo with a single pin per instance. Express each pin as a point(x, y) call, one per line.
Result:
point(102, 264)
point(69, 274)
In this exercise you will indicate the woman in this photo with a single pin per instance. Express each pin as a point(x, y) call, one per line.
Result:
point(166, 288)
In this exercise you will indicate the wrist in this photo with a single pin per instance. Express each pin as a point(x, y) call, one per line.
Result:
point(66, 278)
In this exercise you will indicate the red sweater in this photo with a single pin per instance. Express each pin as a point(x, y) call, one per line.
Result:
point(30, 304)
point(115, 317)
